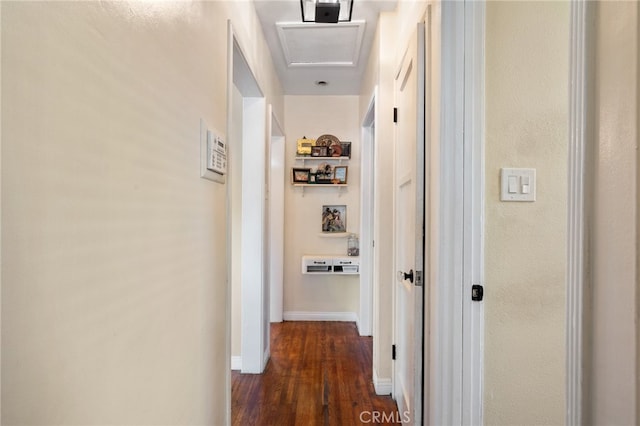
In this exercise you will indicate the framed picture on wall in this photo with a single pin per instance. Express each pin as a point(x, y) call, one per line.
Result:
point(319, 151)
point(346, 149)
point(334, 218)
point(300, 175)
point(340, 174)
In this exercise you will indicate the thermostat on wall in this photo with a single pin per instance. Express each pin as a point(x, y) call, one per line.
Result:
point(216, 153)
point(213, 154)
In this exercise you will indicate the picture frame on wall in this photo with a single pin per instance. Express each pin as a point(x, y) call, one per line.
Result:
point(340, 174)
point(319, 151)
point(346, 149)
point(334, 218)
point(300, 175)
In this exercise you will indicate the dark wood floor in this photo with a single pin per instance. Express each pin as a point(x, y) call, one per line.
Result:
point(319, 374)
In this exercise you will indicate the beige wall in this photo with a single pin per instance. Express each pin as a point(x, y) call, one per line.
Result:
point(526, 126)
point(614, 240)
point(114, 276)
point(312, 116)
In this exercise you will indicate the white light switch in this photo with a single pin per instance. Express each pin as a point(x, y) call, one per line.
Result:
point(517, 184)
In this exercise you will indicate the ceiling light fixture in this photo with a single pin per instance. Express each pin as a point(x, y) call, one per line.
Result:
point(326, 11)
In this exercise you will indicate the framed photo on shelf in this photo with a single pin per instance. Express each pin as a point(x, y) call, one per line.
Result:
point(340, 174)
point(324, 173)
point(346, 149)
point(318, 151)
point(304, 146)
point(300, 175)
point(334, 218)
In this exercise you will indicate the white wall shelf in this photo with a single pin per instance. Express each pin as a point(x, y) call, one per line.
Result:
point(334, 234)
point(330, 265)
point(340, 160)
point(342, 186)
point(328, 185)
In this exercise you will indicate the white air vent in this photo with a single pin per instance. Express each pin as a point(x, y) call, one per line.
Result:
point(313, 45)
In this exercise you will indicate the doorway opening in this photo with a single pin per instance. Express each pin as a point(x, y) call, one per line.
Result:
point(248, 216)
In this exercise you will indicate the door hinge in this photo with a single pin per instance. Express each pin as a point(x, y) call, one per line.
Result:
point(477, 292)
point(395, 115)
point(393, 352)
point(418, 278)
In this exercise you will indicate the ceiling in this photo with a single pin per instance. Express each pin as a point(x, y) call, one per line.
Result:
point(307, 53)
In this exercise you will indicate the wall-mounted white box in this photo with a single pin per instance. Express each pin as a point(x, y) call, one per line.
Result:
point(327, 264)
point(517, 184)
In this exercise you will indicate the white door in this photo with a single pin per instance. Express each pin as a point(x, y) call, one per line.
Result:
point(409, 230)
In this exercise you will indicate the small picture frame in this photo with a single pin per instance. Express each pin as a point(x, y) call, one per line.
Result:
point(346, 149)
point(340, 174)
point(312, 178)
point(319, 151)
point(300, 175)
point(334, 219)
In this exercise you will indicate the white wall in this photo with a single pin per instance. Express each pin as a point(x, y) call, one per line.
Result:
point(614, 235)
point(312, 116)
point(526, 126)
point(114, 293)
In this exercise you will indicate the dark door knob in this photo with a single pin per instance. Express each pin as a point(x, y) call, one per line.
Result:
point(405, 276)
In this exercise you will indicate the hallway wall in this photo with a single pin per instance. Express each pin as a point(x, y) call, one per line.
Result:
point(313, 116)
point(527, 103)
point(114, 292)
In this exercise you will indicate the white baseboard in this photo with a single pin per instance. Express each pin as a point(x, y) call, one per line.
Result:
point(236, 363)
point(383, 386)
point(265, 357)
point(320, 316)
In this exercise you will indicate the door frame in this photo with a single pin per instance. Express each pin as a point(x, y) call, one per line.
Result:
point(455, 235)
point(367, 219)
point(254, 291)
point(275, 228)
point(577, 203)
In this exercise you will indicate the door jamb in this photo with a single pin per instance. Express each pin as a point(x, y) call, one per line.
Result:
point(474, 185)
point(367, 219)
point(454, 375)
point(577, 221)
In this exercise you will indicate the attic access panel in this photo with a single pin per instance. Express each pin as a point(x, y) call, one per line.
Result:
point(319, 45)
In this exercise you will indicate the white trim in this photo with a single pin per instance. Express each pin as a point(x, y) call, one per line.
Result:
point(236, 362)
point(367, 199)
point(444, 399)
point(228, 317)
point(275, 229)
point(320, 316)
point(254, 295)
point(576, 220)
point(474, 184)
point(382, 386)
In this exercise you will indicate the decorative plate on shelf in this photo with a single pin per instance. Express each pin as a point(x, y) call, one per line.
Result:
point(327, 140)
point(335, 149)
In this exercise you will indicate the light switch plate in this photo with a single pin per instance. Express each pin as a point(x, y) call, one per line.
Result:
point(524, 188)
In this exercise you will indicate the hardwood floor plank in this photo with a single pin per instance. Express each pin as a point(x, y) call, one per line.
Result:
point(319, 374)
